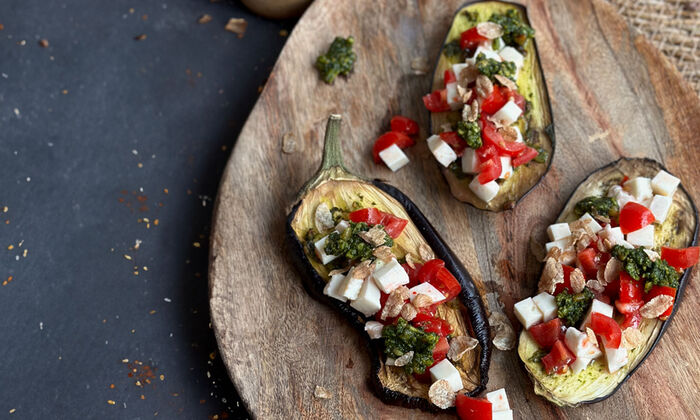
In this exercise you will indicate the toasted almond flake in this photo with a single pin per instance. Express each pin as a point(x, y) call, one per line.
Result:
point(464, 94)
point(375, 236)
point(338, 271)
point(508, 133)
point(595, 286)
point(323, 218)
point(289, 143)
point(441, 394)
point(612, 270)
point(552, 275)
point(422, 300)
point(425, 253)
point(470, 112)
point(484, 87)
point(578, 280)
point(420, 65)
point(404, 359)
point(632, 338)
point(111, 402)
point(411, 260)
point(322, 393)
point(374, 329)
point(467, 76)
point(506, 82)
point(503, 333)
point(383, 253)
point(237, 26)
point(408, 312)
point(140, 37)
point(554, 252)
point(591, 336)
point(656, 306)
point(460, 345)
point(394, 303)
point(489, 30)
point(128, 257)
point(361, 270)
point(205, 18)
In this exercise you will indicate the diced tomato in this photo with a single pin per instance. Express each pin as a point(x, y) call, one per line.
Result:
point(369, 215)
point(567, 280)
point(589, 260)
point(601, 297)
point(446, 283)
point(681, 258)
point(489, 170)
point(404, 125)
point(547, 333)
point(662, 290)
point(516, 97)
point(457, 143)
point(494, 101)
point(630, 289)
point(508, 148)
point(433, 324)
point(634, 216)
point(473, 408)
point(559, 359)
point(486, 152)
point(631, 320)
point(387, 139)
point(450, 77)
point(429, 270)
point(624, 179)
point(412, 274)
point(440, 350)
point(612, 289)
point(436, 101)
point(525, 156)
point(393, 225)
point(607, 328)
point(471, 39)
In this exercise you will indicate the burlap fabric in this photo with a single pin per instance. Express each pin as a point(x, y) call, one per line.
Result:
point(673, 26)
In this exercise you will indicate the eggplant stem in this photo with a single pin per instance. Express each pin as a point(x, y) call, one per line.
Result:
point(332, 153)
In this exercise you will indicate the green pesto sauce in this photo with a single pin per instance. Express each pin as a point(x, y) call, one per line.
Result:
point(338, 60)
point(402, 337)
point(597, 206)
point(639, 266)
point(572, 307)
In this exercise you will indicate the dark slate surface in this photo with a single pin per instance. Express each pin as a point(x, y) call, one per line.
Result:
point(93, 129)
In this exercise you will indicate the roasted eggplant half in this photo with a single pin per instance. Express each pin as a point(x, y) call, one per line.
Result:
point(334, 188)
point(489, 73)
point(634, 262)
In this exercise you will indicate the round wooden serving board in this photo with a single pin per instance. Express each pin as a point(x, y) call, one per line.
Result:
point(612, 95)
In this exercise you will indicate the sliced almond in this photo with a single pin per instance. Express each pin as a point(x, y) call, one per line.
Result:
point(484, 87)
point(502, 331)
point(408, 312)
point(578, 280)
point(323, 218)
point(375, 236)
point(506, 82)
point(237, 26)
point(394, 303)
point(552, 275)
point(421, 301)
point(425, 253)
point(612, 270)
point(632, 338)
point(656, 306)
point(489, 30)
point(508, 133)
point(322, 393)
point(410, 260)
point(404, 359)
point(383, 253)
point(441, 394)
point(467, 76)
point(595, 286)
point(460, 345)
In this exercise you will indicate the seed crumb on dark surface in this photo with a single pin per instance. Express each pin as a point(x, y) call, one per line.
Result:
point(140, 37)
point(44, 43)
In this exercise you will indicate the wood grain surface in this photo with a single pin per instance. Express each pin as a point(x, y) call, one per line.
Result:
point(612, 95)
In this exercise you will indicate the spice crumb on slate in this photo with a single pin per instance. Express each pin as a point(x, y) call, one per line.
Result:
point(44, 43)
point(64, 91)
point(1, 28)
point(237, 26)
point(205, 18)
point(140, 37)
point(284, 32)
point(111, 402)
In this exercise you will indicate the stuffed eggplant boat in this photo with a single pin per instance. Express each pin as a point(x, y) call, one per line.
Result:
point(365, 249)
point(619, 257)
point(490, 113)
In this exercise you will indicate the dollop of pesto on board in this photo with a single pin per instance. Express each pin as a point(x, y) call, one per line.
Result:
point(338, 60)
point(639, 266)
point(401, 338)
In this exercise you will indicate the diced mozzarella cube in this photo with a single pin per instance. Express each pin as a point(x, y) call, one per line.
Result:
point(390, 276)
point(580, 345)
point(508, 114)
point(441, 150)
point(620, 195)
point(488, 53)
point(502, 415)
point(331, 288)
point(579, 364)
point(321, 252)
point(519, 139)
point(642, 237)
point(659, 207)
point(527, 313)
point(612, 234)
point(596, 307)
point(394, 157)
point(558, 231)
point(547, 305)
point(664, 183)
point(342, 225)
point(616, 358)
point(498, 400)
point(485, 192)
point(425, 289)
point(562, 244)
point(470, 161)
point(639, 187)
point(367, 300)
point(350, 287)
point(453, 98)
point(374, 329)
point(506, 168)
point(595, 226)
point(512, 55)
point(445, 370)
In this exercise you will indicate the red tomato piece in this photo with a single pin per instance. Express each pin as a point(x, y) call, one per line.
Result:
point(525, 156)
point(630, 289)
point(449, 77)
point(631, 320)
point(662, 290)
point(387, 139)
point(370, 215)
point(436, 101)
point(473, 408)
point(433, 324)
point(440, 350)
point(470, 39)
point(446, 283)
point(516, 97)
point(486, 152)
point(559, 359)
point(589, 260)
point(404, 125)
point(489, 170)
point(457, 143)
point(494, 101)
point(429, 270)
point(547, 333)
point(508, 148)
point(607, 328)
point(393, 225)
point(634, 216)
point(412, 274)
point(567, 280)
point(681, 258)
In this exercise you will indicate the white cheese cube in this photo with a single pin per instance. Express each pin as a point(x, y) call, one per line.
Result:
point(394, 157)
point(374, 329)
point(612, 234)
point(342, 225)
point(321, 252)
point(453, 98)
point(519, 139)
point(441, 150)
point(470, 161)
point(350, 287)
point(562, 244)
point(331, 288)
point(506, 168)
point(579, 364)
point(527, 313)
point(664, 183)
point(390, 276)
point(621, 196)
point(547, 305)
point(642, 237)
point(639, 187)
point(512, 55)
point(558, 231)
point(508, 114)
point(616, 358)
point(445, 370)
point(485, 192)
point(367, 300)
point(425, 289)
point(596, 307)
point(498, 400)
point(502, 415)
point(659, 207)
point(595, 227)
point(580, 345)
point(488, 53)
